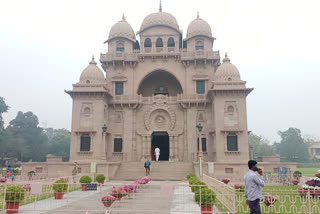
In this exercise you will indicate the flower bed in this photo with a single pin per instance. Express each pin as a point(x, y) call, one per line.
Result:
point(312, 187)
point(119, 193)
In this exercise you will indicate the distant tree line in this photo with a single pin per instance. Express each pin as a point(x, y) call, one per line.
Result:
point(292, 147)
point(25, 140)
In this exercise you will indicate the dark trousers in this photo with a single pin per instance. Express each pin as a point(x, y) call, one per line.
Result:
point(255, 207)
point(147, 170)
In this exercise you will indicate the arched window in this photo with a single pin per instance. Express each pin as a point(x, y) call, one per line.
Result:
point(159, 43)
point(147, 43)
point(171, 42)
point(120, 46)
point(199, 45)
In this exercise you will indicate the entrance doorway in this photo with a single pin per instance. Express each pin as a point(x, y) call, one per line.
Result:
point(160, 140)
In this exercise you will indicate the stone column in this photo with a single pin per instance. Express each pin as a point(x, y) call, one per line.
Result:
point(148, 146)
point(171, 148)
point(143, 149)
point(176, 148)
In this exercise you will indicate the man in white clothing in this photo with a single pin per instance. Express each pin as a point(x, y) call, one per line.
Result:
point(157, 153)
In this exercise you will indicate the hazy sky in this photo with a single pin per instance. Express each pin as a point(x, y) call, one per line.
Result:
point(45, 45)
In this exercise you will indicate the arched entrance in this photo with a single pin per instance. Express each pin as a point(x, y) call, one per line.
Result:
point(160, 140)
point(159, 82)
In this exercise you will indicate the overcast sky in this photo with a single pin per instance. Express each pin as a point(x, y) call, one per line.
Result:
point(45, 45)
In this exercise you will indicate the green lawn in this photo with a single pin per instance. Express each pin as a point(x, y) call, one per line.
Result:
point(289, 201)
point(308, 171)
point(47, 192)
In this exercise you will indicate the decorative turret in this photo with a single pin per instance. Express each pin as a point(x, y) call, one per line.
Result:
point(92, 74)
point(227, 71)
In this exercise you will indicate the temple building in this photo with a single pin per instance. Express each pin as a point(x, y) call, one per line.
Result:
point(154, 91)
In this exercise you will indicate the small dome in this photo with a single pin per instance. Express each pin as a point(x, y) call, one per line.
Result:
point(160, 18)
point(199, 27)
point(227, 71)
point(92, 74)
point(122, 29)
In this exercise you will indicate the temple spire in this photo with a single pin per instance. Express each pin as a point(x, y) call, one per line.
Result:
point(198, 15)
point(160, 7)
point(123, 17)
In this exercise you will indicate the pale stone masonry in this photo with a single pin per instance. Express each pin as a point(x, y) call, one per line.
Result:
point(155, 93)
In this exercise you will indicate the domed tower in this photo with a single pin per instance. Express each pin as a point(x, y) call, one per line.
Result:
point(159, 32)
point(229, 93)
point(121, 37)
point(89, 113)
point(199, 36)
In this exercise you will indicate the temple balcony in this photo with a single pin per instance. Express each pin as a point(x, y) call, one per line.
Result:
point(118, 56)
point(201, 54)
point(136, 100)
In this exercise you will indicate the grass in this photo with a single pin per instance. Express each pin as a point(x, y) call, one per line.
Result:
point(47, 192)
point(289, 201)
point(308, 171)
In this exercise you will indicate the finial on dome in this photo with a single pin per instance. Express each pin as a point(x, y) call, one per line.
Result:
point(92, 61)
point(123, 17)
point(226, 59)
point(160, 7)
point(198, 15)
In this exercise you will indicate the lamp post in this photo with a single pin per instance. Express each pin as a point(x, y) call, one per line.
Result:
point(200, 154)
point(103, 145)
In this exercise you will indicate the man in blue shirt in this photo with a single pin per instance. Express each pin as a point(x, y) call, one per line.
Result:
point(253, 183)
point(147, 165)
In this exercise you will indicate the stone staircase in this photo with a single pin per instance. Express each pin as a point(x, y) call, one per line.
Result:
point(159, 171)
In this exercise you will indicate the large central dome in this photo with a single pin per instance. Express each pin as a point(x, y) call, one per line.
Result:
point(159, 19)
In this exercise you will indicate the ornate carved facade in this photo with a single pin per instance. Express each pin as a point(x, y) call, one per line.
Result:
point(154, 93)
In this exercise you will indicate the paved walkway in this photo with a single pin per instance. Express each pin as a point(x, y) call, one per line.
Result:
point(157, 197)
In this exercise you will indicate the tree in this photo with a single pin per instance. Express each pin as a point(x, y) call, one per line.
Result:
point(58, 141)
point(292, 146)
point(26, 139)
point(259, 146)
point(3, 108)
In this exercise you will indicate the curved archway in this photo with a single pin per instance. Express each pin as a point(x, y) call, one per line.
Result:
point(159, 82)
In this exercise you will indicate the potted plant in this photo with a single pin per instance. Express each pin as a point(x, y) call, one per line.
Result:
point(297, 174)
point(108, 200)
point(205, 198)
point(14, 195)
point(85, 180)
point(269, 200)
point(100, 178)
point(3, 180)
point(60, 187)
point(295, 181)
point(31, 174)
point(239, 188)
point(225, 180)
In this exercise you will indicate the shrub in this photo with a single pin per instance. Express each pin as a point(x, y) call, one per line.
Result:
point(100, 177)
point(297, 174)
point(207, 197)
point(60, 186)
point(190, 176)
point(15, 193)
point(194, 181)
point(85, 179)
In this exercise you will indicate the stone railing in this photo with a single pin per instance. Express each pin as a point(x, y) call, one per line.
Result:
point(200, 54)
point(191, 98)
point(118, 156)
point(118, 56)
point(123, 56)
point(224, 193)
point(139, 99)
